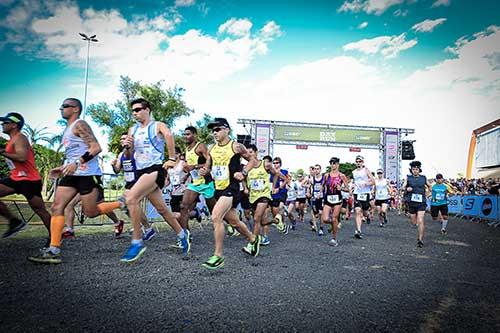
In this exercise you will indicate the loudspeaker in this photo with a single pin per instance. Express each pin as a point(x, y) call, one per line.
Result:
point(246, 140)
point(407, 152)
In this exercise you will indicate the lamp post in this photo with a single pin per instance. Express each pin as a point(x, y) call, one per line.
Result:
point(88, 40)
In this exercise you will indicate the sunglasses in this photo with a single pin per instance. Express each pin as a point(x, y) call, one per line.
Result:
point(65, 106)
point(138, 109)
point(217, 129)
point(380, 173)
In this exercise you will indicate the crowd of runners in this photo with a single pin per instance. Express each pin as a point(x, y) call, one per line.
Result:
point(265, 192)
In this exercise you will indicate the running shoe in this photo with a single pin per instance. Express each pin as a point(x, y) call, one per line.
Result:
point(177, 244)
point(420, 244)
point(255, 246)
point(368, 220)
point(248, 248)
point(280, 225)
point(230, 230)
point(264, 241)
point(288, 227)
point(357, 234)
point(443, 232)
point(119, 228)
point(15, 225)
point(339, 226)
point(47, 256)
point(123, 202)
point(381, 225)
point(385, 219)
point(320, 232)
point(313, 229)
point(214, 262)
point(68, 234)
point(133, 253)
point(333, 243)
point(149, 234)
point(184, 242)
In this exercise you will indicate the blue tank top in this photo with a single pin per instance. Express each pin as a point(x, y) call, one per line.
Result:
point(439, 195)
point(129, 169)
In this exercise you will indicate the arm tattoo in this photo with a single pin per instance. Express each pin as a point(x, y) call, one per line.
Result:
point(85, 132)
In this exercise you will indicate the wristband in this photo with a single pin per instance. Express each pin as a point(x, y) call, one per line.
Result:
point(77, 163)
point(244, 172)
point(172, 159)
point(87, 157)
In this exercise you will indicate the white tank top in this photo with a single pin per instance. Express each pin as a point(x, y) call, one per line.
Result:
point(381, 192)
point(149, 146)
point(176, 176)
point(360, 181)
point(74, 148)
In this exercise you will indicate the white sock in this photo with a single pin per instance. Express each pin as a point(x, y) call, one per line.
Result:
point(444, 224)
point(181, 234)
point(136, 242)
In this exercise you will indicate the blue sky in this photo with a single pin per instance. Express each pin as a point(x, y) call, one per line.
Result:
point(360, 62)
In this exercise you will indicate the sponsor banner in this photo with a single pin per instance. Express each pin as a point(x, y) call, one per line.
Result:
point(317, 134)
point(151, 212)
point(471, 205)
point(455, 204)
point(262, 139)
point(391, 156)
point(488, 207)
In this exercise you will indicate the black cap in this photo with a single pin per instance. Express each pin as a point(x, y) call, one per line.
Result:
point(359, 157)
point(222, 122)
point(439, 176)
point(334, 160)
point(13, 117)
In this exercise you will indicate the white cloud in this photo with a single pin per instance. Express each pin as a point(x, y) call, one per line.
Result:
point(236, 27)
point(438, 3)
point(428, 25)
point(363, 25)
point(399, 12)
point(184, 3)
point(377, 7)
point(388, 46)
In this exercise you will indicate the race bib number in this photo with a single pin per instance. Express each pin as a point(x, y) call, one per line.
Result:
point(258, 185)
point(416, 197)
point(440, 196)
point(10, 164)
point(129, 177)
point(194, 174)
point(333, 199)
point(220, 173)
point(363, 197)
point(175, 179)
point(317, 187)
point(301, 193)
point(382, 193)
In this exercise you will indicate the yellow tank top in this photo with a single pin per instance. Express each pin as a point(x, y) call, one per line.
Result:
point(258, 183)
point(192, 159)
point(221, 160)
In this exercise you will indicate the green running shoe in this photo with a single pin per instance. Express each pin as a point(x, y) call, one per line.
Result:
point(214, 262)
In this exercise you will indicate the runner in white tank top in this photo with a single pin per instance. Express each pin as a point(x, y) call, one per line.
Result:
point(363, 182)
point(382, 195)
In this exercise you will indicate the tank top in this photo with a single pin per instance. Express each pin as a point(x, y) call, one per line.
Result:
point(381, 192)
point(360, 177)
point(176, 176)
point(417, 195)
point(258, 183)
point(332, 194)
point(74, 148)
point(291, 193)
point(193, 159)
point(301, 189)
point(439, 196)
point(149, 146)
point(21, 170)
point(128, 166)
point(316, 187)
point(225, 162)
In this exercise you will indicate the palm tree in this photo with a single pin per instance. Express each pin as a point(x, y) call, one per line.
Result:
point(36, 134)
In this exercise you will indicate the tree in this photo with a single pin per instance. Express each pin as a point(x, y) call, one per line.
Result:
point(347, 168)
point(167, 106)
point(35, 135)
point(45, 160)
point(204, 134)
point(4, 169)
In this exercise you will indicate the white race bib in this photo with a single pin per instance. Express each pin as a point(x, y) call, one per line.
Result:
point(258, 184)
point(416, 197)
point(194, 174)
point(10, 164)
point(175, 180)
point(301, 193)
point(129, 176)
point(440, 196)
point(363, 197)
point(220, 173)
point(333, 199)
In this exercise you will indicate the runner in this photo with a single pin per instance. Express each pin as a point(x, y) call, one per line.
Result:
point(363, 182)
point(259, 195)
point(334, 183)
point(225, 162)
point(439, 201)
point(415, 186)
point(147, 139)
point(302, 184)
point(23, 176)
point(80, 174)
point(317, 199)
point(177, 183)
point(278, 196)
point(382, 196)
point(196, 162)
point(291, 198)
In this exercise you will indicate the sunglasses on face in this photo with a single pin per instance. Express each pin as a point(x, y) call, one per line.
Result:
point(65, 106)
point(276, 162)
point(217, 129)
point(138, 109)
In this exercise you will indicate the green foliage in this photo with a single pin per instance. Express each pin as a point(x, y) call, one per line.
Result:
point(45, 160)
point(204, 134)
point(4, 169)
point(347, 168)
point(167, 106)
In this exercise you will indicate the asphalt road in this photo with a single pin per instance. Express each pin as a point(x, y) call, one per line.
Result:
point(298, 283)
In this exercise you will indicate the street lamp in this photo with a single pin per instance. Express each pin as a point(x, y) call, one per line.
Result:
point(88, 40)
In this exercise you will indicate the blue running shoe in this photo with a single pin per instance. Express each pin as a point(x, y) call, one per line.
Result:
point(148, 235)
point(264, 241)
point(133, 253)
point(184, 242)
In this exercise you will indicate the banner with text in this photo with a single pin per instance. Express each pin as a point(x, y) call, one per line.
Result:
point(391, 156)
point(262, 139)
point(326, 135)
